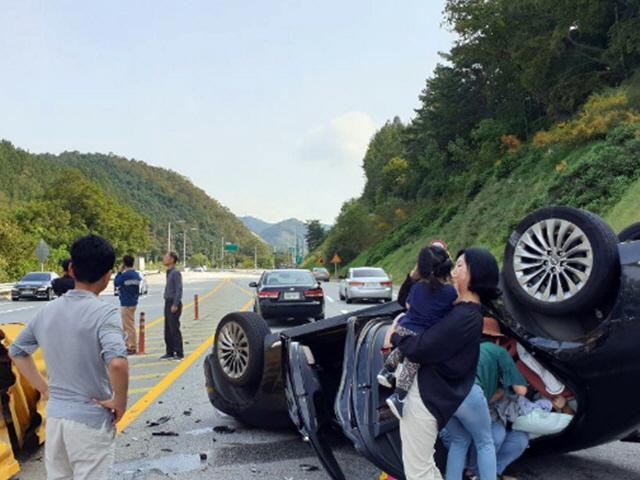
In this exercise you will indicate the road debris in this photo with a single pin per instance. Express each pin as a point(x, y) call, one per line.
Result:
point(158, 422)
point(224, 429)
point(165, 434)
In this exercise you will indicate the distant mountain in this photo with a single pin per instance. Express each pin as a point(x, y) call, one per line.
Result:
point(255, 224)
point(280, 235)
point(158, 195)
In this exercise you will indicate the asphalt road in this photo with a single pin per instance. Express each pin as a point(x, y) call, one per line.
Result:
point(211, 445)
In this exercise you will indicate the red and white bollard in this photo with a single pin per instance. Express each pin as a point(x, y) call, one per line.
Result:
point(141, 335)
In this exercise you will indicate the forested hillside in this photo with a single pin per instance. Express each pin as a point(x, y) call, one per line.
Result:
point(537, 103)
point(59, 197)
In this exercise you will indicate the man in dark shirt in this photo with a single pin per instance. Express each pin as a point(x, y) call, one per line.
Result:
point(127, 282)
point(172, 309)
point(63, 284)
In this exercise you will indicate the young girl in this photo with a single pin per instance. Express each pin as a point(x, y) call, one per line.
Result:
point(430, 299)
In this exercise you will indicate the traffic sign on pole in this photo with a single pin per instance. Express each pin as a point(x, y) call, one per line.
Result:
point(231, 247)
point(42, 253)
point(336, 260)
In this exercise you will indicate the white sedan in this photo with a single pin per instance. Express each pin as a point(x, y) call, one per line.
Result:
point(366, 283)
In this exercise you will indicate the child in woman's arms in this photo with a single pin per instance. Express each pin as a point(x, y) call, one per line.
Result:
point(429, 301)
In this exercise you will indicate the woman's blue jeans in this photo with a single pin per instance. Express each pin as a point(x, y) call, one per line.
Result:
point(471, 423)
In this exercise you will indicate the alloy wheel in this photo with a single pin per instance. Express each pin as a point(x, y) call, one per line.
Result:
point(553, 260)
point(233, 350)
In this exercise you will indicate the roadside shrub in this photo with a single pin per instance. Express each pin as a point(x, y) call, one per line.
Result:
point(598, 180)
point(601, 114)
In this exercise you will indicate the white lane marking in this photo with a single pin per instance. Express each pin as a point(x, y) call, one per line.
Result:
point(15, 310)
point(330, 299)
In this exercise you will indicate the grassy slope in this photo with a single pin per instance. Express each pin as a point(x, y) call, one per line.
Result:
point(489, 217)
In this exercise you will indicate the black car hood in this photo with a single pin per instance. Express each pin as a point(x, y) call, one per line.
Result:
point(32, 284)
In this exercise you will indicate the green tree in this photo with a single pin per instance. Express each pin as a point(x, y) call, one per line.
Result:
point(198, 260)
point(315, 234)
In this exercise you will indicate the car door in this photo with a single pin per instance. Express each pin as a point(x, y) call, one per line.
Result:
point(307, 405)
point(360, 403)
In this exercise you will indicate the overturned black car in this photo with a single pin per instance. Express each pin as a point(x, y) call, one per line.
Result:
point(571, 300)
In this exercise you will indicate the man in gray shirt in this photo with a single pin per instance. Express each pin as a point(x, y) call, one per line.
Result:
point(172, 309)
point(88, 374)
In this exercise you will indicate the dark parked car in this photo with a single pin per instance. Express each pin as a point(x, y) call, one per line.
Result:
point(571, 299)
point(34, 285)
point(288, 294)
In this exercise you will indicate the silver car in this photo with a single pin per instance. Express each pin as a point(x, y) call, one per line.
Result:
point(321, 274)
point(366, 283)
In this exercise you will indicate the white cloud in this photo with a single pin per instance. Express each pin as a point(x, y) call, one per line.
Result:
point(343, 140)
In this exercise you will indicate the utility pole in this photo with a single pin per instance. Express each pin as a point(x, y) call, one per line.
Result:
point(169, 238)
point(222, 253)
point(255, 257)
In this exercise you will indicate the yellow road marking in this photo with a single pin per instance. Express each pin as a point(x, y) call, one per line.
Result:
point(133, 391)
point(145, 376)
point(189, 305)
point(151, 364)
point(145, 402)
point(242, 289)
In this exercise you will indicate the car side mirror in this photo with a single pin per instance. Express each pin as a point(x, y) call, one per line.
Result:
point(253, 284)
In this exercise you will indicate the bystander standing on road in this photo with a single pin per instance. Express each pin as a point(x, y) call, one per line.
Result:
point(63, 284)
point(88, 374)
point(127, 282)
point(172, 308)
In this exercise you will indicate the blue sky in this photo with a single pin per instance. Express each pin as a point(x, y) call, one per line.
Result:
point(266, 105)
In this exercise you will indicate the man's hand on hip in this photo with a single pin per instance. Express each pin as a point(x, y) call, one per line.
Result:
point(174, 309)
point(116, 407)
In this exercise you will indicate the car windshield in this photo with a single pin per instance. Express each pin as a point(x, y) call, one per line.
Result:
point(320, 270)
point(275, 279)
point(369, 272)
point(36, 277)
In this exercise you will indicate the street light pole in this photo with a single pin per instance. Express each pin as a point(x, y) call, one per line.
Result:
point(169, 238)
point(184, 248)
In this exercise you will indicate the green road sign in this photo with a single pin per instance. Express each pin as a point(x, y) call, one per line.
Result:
point(231, 247)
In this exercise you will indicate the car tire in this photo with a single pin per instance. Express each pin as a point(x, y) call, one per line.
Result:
point(561, 260)
point(349, 300)
point(341, 296)
point(49, 295)
point(630, 234)
point(239, 348)
point(320, 317)
point(15, 299)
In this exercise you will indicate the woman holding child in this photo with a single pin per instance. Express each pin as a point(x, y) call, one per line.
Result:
point(445, 345)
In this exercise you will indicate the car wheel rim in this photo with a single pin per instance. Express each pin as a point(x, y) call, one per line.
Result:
point(233, 350)
point(553, 260)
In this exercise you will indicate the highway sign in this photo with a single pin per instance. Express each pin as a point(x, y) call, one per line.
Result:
point(336, 259)
point(231, 247)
